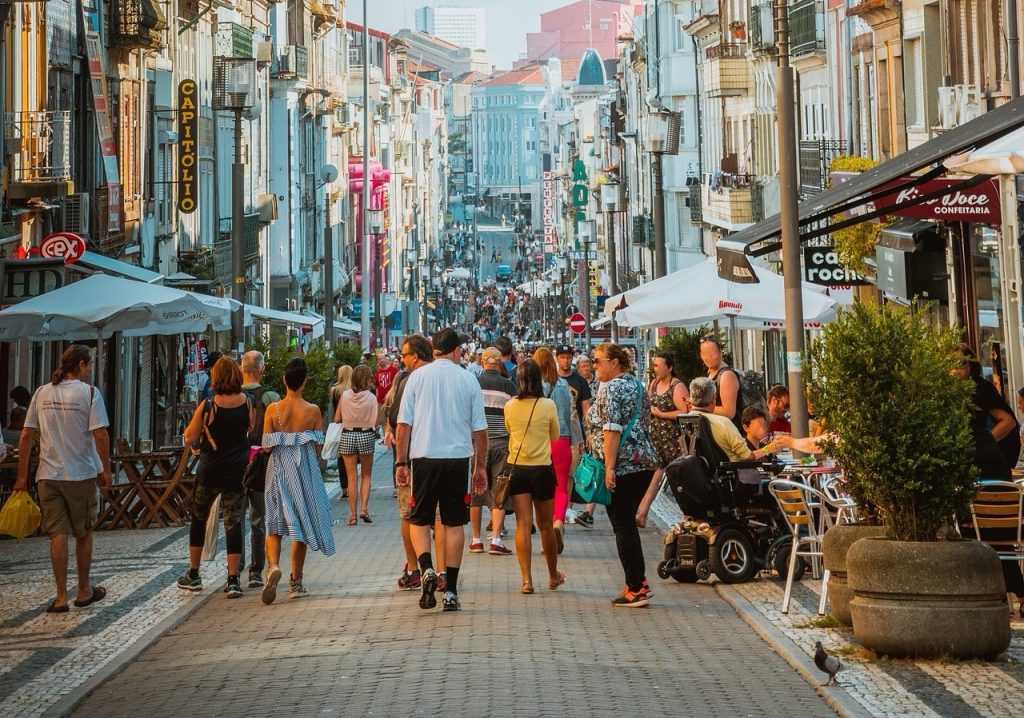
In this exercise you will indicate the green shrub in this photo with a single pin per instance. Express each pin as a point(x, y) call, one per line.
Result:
point(898, 422)
point(321, 364)
point(684, 345)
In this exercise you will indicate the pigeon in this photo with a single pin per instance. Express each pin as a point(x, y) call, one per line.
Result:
point(828, 664)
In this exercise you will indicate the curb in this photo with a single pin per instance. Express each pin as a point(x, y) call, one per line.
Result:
point(839, 701)
point(66, 705)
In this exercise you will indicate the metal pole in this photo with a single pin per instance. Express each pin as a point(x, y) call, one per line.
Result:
point(660, 252)
point(328, 274)
point(613, 270)
point(237, 240)
point(1013, 47)
point(364, 318)
point(790, 220)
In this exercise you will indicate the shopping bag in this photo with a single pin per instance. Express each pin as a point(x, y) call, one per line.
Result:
point(20, 516)
point(332, 442)
point(212, 522)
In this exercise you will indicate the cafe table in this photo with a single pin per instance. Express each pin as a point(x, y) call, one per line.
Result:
point(149, 488)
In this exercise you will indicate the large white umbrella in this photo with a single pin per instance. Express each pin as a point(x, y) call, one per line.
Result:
point(459, 273)
point(667, 283)
point(101, 304)
point(1004, 156)
point(703, 296)
point(534, 286)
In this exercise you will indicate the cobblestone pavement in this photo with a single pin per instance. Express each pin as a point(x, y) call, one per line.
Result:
point(356, 646)
point(872, 686)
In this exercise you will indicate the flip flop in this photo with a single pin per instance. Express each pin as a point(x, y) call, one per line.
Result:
point(353, 521)
point(98, 594)
point(366, 517)
point(552, 585)
point(54, 608)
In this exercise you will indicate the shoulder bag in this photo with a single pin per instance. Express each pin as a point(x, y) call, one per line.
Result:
point(589, 477)
point(254, 478)
point(499, 490)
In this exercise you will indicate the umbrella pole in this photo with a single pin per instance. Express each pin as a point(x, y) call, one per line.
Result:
point(99, 360)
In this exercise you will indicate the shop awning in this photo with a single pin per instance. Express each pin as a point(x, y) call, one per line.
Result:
point(109, 265)
point(763, 237)
point(276, 316)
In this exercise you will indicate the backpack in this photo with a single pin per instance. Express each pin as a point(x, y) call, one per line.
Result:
point(752, 391)
point(256, 395)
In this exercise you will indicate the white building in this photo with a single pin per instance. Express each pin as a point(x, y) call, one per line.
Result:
point(462, 26)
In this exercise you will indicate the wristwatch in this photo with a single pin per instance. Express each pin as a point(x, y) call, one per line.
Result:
point(400, 464)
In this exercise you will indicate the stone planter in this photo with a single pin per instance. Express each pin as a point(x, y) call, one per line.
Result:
point(928, 599)
point(836, 544)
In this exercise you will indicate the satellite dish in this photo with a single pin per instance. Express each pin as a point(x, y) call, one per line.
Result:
point(328, 173)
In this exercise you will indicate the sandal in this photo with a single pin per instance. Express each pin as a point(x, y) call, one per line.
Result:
point(98, 594)
point(366, 517)
point(54, 608)
point(527, 588)
point(353, 521)
point(552, 585)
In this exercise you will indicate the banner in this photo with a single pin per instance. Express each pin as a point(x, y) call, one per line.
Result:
point(979, 203)
point(104, 131)
point(188, 131)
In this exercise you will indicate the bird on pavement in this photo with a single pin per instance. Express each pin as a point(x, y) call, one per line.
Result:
point(828, 664)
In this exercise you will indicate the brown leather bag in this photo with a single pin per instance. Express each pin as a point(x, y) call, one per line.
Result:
point(499, 489)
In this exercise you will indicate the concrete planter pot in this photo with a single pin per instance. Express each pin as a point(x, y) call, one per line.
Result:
point(836, 544)
point(928, 599)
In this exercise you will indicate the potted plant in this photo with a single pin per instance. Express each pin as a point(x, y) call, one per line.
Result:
point(898, 425)
point(738, 28)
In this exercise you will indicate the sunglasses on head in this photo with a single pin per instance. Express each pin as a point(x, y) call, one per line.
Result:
point(709, 339)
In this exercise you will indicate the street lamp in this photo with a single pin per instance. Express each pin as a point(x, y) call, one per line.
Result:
point(662, 139)
point(612, 202)
point(234, 88)
point(374, 227)
point(586, 232)
point(328, 174)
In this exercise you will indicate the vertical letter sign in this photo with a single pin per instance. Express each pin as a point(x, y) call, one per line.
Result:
point(187, 131)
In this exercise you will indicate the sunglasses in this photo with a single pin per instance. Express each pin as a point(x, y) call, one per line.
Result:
point(711, 340)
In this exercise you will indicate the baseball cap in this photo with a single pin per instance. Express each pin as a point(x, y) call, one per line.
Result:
point(448, 340)
point(564, 349)
point(491, 356)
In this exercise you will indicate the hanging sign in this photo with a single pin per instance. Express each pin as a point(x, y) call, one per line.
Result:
point(104, 130)
point(188, 129)
point(62, 245)
point(822, 266)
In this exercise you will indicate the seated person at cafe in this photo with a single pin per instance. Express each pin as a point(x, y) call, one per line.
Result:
point(723, 431)
point(778, 408)
point(755, 427)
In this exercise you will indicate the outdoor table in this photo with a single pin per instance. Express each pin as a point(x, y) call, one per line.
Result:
point(157, 487)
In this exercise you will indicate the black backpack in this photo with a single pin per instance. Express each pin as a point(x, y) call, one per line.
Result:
point(256, 435)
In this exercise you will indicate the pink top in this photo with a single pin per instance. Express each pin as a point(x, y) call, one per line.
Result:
point(358, 411)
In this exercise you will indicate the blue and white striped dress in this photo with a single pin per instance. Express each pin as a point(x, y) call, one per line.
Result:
point(297, 504)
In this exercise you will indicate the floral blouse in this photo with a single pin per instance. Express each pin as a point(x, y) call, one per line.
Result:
point(616, 404)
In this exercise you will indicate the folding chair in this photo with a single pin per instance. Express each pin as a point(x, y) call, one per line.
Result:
point(997, 513)
point(798, 502)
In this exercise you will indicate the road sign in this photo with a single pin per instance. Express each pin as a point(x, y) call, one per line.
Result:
point(571, 309)
point(63, 245)
point(578, 323)
point(577, 255)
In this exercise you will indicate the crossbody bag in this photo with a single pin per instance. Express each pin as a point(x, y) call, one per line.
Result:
point(499, 490)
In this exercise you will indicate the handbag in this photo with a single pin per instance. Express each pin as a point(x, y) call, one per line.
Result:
point(332, 442)
point(588, 480)
point(499, 489)
point(255, 476)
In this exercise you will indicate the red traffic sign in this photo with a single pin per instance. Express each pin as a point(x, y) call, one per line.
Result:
point(63, 245)
point(578, 323)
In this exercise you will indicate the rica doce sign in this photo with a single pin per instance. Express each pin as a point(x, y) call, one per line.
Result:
point(979, 203)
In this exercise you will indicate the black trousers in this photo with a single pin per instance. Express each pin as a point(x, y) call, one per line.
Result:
point(629, 491)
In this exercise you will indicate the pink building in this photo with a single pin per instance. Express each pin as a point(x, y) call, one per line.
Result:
point(567, 32)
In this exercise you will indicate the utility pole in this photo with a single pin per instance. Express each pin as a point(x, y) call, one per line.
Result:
point(364, 294)
point(613, 269)
point(238, 240)
point(660, 252)
point(790, 223)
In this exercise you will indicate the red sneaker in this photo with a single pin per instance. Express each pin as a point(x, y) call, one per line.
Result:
point(476, 547)
point(498, 549)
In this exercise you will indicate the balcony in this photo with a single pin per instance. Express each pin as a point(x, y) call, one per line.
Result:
point(233, 40)
point(727, 200)
point(762, 29)
point(39, 147)
point(806, 28)
point(815, 158)
point(250, 246)
point(136, 23)
point(292, 62)
point(726, 70)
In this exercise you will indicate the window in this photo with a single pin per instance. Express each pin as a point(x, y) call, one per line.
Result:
point(681, 40)
point(914, 86)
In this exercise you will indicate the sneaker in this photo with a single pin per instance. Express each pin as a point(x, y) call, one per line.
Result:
point(409, 581)
point(234, 587)
point(296, 589)
point(450, 602)
point(190, 584)
point(498, 549)
point(583, 518)
point(270, 589)
point(476, 547)
point(428, 586)
point(646, 588)
point(630, 599)
point(255, 578)
point(442, 582)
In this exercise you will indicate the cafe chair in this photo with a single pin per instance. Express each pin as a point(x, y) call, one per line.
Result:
point(997, 513)
point(798, 503)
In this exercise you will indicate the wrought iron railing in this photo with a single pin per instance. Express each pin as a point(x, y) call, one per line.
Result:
point(696, 211)
point(725, 49)
point(727, 180)
point(815, 158)
point(136, 23)
point(39, 144)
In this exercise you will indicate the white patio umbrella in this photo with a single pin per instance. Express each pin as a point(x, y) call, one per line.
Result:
point(1003, 156)
point(663, 284)
point(459, 273)
point(534, 286)
point(704, 297)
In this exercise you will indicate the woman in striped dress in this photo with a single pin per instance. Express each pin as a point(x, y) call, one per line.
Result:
point(297, 504)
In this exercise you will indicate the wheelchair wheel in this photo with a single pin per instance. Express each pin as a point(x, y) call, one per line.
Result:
point(663, 570)
point(732, 556)
point(703, 570)
point(685, 575)
point(781, 563)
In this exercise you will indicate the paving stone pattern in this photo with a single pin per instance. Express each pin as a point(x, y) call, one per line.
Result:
point(356, 646)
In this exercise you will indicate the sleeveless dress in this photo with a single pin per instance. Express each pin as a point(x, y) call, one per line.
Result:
point(664, 432)
point(297, 503)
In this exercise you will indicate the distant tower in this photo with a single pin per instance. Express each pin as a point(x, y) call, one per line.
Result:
point(461, 26)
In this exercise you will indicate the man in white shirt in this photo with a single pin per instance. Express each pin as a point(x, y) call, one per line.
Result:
point(74, 458)
point(441, 428)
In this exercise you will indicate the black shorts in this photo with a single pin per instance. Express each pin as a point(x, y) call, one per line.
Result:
point(537, 481)
point(440, 483)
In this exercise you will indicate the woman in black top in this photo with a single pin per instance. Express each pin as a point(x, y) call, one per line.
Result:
point(996, 431)
point(221, 426)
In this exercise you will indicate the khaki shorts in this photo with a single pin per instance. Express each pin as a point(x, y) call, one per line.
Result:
point(497, 462)
point(69, 507)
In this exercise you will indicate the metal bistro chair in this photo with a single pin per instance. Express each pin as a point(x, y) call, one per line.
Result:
point(842, 502)
point(997, 513)
point(798, 502)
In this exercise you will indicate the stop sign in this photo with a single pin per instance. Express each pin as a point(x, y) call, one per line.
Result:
point(578, 323)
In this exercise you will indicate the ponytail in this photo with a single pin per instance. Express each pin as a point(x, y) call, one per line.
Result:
point(69, 361)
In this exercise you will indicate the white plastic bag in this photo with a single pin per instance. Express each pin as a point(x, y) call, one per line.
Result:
point(212, 522)
point(332, 442)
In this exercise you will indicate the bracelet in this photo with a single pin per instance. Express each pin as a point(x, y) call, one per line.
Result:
point(401, 464)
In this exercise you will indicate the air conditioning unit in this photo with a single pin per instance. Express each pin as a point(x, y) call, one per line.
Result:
point(264, 53)
point(76, 213)
point(970, 103)
point(267, 208)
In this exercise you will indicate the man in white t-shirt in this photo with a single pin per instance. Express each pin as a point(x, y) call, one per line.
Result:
point(74, 459)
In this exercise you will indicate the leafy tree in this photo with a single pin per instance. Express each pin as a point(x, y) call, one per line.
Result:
point(684, 345)
point(322, 366)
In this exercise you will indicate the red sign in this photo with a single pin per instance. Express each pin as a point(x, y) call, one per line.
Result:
point(578, 323)
point(979, 203)
point(63, 245)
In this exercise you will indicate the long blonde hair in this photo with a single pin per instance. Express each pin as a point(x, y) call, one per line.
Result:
point(344, 377)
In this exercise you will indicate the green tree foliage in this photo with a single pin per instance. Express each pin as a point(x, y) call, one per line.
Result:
point(684, 345)
point(898, 422)
point(856, 243)
point(321, 363)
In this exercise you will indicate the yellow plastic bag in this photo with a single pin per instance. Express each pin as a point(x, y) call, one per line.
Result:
point(20, 516)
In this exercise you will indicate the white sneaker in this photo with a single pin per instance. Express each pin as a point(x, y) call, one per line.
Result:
point(570, 515)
